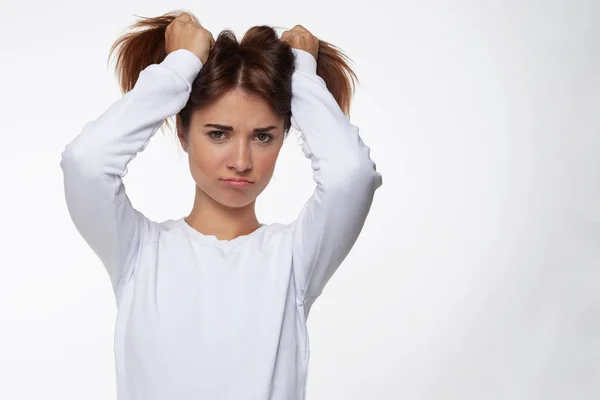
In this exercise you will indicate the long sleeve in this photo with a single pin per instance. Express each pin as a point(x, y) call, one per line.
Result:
point(346, 180)
point(95, 162)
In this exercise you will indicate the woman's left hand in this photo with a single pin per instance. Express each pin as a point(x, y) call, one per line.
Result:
point(300, 38)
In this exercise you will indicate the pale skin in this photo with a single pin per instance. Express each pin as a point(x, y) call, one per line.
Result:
point(219, 153)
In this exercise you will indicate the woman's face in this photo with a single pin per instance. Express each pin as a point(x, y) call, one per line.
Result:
point(236, 137)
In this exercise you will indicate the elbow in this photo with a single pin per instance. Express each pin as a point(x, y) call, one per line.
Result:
point(80, 158)
point(364, 174)
point(75, 151)
point(74, 155)
point(363, 169)
point(350, 177)
point(86, 152)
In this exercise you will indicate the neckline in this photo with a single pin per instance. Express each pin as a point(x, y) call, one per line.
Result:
point(212, 239)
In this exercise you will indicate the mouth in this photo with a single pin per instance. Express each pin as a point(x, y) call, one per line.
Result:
point(237, 183)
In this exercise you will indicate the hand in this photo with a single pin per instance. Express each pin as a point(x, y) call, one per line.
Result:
point(300, 38)
point(184, 33)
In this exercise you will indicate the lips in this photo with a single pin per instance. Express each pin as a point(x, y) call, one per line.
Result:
point(237, 180)
point(237, 183)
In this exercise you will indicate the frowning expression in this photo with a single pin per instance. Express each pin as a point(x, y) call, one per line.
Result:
point(237, 137)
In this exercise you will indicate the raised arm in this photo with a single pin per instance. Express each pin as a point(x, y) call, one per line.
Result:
point(95, 161)
point(346, 180)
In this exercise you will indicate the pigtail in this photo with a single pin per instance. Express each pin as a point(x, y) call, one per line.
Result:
point(141, 46)
point(333, 68)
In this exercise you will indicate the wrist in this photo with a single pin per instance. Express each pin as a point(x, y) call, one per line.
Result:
point(304, 61)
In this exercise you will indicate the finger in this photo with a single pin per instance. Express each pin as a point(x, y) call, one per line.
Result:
point(184, 17)
point(300, 28)
point(289, 35)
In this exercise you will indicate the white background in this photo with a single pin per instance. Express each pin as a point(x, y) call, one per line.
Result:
point(477, 275)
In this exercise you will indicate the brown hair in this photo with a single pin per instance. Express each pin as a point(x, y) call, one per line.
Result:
point(260, 64)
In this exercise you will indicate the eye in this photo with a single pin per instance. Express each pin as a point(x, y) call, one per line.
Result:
point(266, 138)
point(217, 136)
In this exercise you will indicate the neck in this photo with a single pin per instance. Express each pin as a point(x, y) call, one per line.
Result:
point(212, 218)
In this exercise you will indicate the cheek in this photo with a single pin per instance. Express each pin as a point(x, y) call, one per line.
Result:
point(204, 162)
point(265, 161)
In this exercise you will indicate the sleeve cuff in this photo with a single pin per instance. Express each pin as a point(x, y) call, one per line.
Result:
point(304, 61)
point(184, 63)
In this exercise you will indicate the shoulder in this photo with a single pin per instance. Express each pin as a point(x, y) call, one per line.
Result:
point(275, 229)
point(167, 225)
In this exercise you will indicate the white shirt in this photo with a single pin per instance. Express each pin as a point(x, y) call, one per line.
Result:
point(198, 317)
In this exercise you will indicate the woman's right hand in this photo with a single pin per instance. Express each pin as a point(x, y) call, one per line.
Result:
point(184, 33)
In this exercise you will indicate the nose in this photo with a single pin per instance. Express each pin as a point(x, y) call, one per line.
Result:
point(240, 157)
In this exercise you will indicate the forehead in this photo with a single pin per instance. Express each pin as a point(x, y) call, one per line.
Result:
point(239, 109)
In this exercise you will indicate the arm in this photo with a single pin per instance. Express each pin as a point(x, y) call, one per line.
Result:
point(346, 180)
point(95, 161)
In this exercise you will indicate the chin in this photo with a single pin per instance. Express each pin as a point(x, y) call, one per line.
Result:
point(231, 200)
point(235, 204)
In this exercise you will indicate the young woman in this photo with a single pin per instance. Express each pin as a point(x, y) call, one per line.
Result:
point(214, 305)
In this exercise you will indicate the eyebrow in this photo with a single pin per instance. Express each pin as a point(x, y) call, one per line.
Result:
point(230, 128)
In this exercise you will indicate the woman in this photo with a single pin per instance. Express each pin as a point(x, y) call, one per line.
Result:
point(214, 305)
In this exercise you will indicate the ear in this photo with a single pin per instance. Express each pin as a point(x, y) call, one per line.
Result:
point(181, 134)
